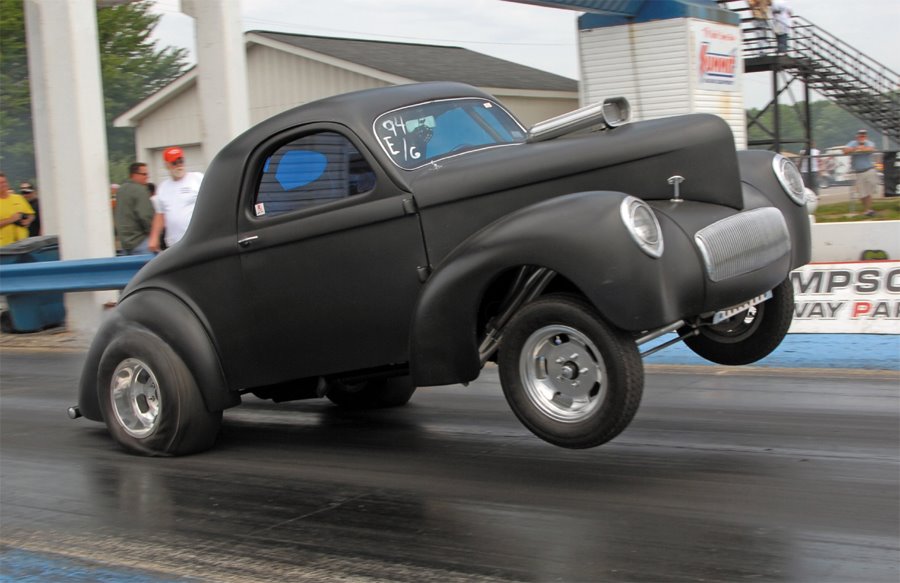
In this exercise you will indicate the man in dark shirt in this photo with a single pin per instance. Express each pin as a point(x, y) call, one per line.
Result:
point(30, 193)
point(134, 212)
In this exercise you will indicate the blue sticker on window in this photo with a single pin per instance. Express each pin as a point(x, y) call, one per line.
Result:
point(300, 167)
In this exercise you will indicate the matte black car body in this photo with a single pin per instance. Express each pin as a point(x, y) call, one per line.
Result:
point(404, 278)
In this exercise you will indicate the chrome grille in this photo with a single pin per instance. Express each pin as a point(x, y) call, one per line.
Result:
point(743, 242)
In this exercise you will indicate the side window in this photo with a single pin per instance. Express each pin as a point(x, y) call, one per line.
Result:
point(312, 170)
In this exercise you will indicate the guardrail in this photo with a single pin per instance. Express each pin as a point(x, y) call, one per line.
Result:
point(70, 276)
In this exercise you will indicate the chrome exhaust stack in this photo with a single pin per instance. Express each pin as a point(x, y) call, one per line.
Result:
point(612, 113)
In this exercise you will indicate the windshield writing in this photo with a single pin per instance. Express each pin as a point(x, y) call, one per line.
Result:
point(416, 135)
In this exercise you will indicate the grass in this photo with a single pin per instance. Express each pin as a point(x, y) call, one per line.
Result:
point(886, 209)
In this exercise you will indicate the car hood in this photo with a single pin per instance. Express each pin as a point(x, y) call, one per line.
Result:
point(636, 158)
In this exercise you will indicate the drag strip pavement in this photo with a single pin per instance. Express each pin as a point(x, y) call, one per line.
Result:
point(725, 475)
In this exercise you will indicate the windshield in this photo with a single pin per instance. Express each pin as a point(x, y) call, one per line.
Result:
point(416, 135)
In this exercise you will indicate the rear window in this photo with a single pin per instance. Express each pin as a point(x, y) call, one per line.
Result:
point(419, 134)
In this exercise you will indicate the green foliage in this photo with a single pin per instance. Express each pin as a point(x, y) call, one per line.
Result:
point(131, 64)
point(886, 209)
point(831, 126)
point(16, 150)
point(132, 67)
point(118, 168)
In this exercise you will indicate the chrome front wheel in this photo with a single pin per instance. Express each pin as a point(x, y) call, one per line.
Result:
point(563, 373)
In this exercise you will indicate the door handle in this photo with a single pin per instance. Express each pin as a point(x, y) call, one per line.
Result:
point(245, 242)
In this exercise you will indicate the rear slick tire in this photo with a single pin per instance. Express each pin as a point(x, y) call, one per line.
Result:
point(149, 399)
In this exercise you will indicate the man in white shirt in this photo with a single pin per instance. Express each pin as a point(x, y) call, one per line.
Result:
point(781, 23)
point(174, 200)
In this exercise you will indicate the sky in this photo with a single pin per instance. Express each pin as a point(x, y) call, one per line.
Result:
point(543, 38)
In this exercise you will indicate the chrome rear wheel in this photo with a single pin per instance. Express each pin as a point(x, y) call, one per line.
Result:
point(136, 398)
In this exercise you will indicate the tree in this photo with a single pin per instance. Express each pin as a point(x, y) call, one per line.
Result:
point(790, 124)
point(131, 64)
point(16, 148)
point(132, 67)
point(831, 125)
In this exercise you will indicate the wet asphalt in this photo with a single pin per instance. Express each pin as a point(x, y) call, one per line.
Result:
point(725, 475)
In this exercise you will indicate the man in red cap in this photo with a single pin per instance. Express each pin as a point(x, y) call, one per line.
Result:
point(174, 200)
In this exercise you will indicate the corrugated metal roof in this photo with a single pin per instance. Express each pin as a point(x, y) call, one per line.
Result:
point(614, 7)
point(429, 62)
point(600, 13)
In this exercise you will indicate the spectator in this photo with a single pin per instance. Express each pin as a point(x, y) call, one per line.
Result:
point(15, 214)
point(134, 213)
point(30, 193)
point(781, 23)
point(809, 166)
point(760, 10)
point(861, 150)
point(162, 237)
point(174, 200)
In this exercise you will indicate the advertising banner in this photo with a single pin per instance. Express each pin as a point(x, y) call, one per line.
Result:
point(715, 51)
point(855, 298)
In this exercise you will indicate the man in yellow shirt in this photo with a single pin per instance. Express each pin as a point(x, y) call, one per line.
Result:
point(15, 214)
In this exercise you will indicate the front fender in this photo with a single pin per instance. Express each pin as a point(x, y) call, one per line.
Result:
point(761, 188)
point(580, 236)
point(168, 317)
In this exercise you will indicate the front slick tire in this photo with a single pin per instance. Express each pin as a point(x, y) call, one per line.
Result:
point(150, 401)
point(749, 336)
point(572, 379)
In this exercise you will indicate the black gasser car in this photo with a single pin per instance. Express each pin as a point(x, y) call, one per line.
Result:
point(364, 245)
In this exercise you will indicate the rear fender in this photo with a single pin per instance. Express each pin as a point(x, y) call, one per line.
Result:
point(168, 317)
point(581, 237)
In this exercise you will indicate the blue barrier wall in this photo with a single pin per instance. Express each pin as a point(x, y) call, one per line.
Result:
point(75, 275)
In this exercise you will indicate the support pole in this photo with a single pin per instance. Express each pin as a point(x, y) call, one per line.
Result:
point(776, 114)
point(811, 177)
point(70, 140)
point(221, 71)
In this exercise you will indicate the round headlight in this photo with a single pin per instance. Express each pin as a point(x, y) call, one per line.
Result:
point(642, 225)
point(790, 178)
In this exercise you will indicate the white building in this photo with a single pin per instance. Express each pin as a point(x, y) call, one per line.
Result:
point(287, 70)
